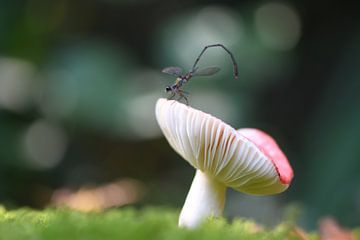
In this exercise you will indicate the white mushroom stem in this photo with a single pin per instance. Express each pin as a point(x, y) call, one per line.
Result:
point(206, 198)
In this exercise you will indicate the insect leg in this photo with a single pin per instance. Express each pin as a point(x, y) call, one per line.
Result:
point(235, 66)
point(172, 95)
point(182, 95)
point(186, 100)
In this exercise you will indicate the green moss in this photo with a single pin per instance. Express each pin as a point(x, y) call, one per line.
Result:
point(150, 223)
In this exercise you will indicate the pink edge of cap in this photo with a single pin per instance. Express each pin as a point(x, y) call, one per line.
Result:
point(270, 148)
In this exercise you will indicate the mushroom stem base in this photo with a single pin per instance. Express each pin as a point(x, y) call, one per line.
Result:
point(206, 198)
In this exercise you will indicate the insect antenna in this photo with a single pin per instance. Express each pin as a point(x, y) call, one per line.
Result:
point(235, 66)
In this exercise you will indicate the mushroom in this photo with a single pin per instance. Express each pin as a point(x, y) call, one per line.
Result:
point(247, 160)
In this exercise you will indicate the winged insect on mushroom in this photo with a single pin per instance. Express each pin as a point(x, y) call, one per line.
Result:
point(181, 79)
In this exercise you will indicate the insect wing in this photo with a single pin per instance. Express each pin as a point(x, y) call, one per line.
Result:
point(206, 71)
point(175, 71)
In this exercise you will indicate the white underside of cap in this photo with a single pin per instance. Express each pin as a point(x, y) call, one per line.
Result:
point(217, 149)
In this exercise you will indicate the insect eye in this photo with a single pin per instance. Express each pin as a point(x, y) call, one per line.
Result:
point(168, 89)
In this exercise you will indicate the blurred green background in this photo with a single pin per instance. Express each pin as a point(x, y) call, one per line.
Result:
point(79, 81)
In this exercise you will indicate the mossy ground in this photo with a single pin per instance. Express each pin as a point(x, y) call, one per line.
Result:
point(150, 223)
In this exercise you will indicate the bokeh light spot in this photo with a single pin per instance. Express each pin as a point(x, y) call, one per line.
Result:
point(141, 116)
point(186, 35)
point(114, 194)
point(278, 26)
point(15, 83)
point(44, 144)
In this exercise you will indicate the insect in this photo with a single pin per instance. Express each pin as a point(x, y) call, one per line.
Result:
point(181, 79)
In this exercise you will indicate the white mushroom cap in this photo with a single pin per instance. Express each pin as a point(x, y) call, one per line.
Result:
point(247, 160)
point(217, 149)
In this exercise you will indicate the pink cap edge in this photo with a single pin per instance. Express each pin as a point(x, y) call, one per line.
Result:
point(270, 148)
